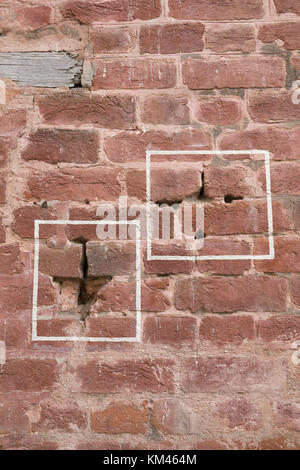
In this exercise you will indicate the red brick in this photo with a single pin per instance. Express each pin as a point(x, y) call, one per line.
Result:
point(281, 142)
point(236, 179)
point(110, 327)
point(170, 330)
point(287, 415)
point(59, 417)
point(64, 262)
point(111, 258)
point(111, 10)
point(215, 9)
point(287, 255)
point(15, 293)
point(219, 111)
point(13, 418)
point(28, 375)
point(246, 72)
point(172, 416)
point(285, 178)
point(165, 109)
point(26, 17)
point(118, 296)
point(295, 290)
point(287, 6)
point(74, 184)
point(60, 327)
point(175, 184)
point(62, 145)
point(11, 259)
point(3, 178)
point(134, 74)
point(12, 123)
point(287, 32)
point(2, 232)
point(241, 217)
point(230, 38)
point(279, 328)
point(5, 146)
point(132, 147)
point(171, 38)
point(240, 412)
point(24, 218)
point(221, 246)
point(141, 375)
point(273, 106)
point(232, 294)
point(227, 329)
point(112, 40)
point(233, 374)
point(27, 442)
point(274, 443)
point(119, 418)
point(109, 111)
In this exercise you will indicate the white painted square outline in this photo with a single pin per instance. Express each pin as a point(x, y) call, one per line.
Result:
point(131, 339)
point(266, 155)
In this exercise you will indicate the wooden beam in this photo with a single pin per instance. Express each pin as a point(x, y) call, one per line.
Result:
point(41, 69)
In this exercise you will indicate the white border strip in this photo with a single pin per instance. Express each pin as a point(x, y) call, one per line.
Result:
point(133, 339)
point(266, 155)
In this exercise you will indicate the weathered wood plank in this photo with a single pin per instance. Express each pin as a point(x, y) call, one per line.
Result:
point(41, 69)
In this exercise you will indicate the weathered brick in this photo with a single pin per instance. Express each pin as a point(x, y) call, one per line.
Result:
point(230, 38)
point(171, 38)
point(126, 147)
point(111, 10)
point(118, 296)
point(279, 328)
point(119, 418)
point(24, 218)
point(112, 40)
point(3, 179)
point(281, 142)
point(28, 375)
point(170, 330)
point(273, 106)
point(109, 111)
point(236, 180)
point(287, 6)
point(168, 266)
point(11, 259)
point(165, 109)
point(287, 415)
point(62, 145)
point(287, 32)
point(74, 184)
point(111, 258)
point(59, 417)
point(222, 246)
point(287, 255)
point(295, 290)
point(246, 72)
point(15, 293)
point(27, 17)
point(285, 178)
point(227, 329)
point(231, 294)
point(12, 123)
point(65, 262)
point(219, 111)
point(233, 374)
point(13, 417)
point(215, 10)
point(173, 416)
point(2, 232)
point(134, 74)
point(240, 413)
point(241, 217)
point(110, 327)
point(155, 376)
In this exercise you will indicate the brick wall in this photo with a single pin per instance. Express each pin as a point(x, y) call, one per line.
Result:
point(214, 368)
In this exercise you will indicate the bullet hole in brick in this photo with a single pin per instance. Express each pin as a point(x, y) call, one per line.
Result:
point(87, 201)
point(201, 192)
point(44, 205)
point(199, 235)
point(228, 199)
point(168, 203)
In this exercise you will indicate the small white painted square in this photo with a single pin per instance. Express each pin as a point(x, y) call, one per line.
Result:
point(35, 337)
point(266, 156)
